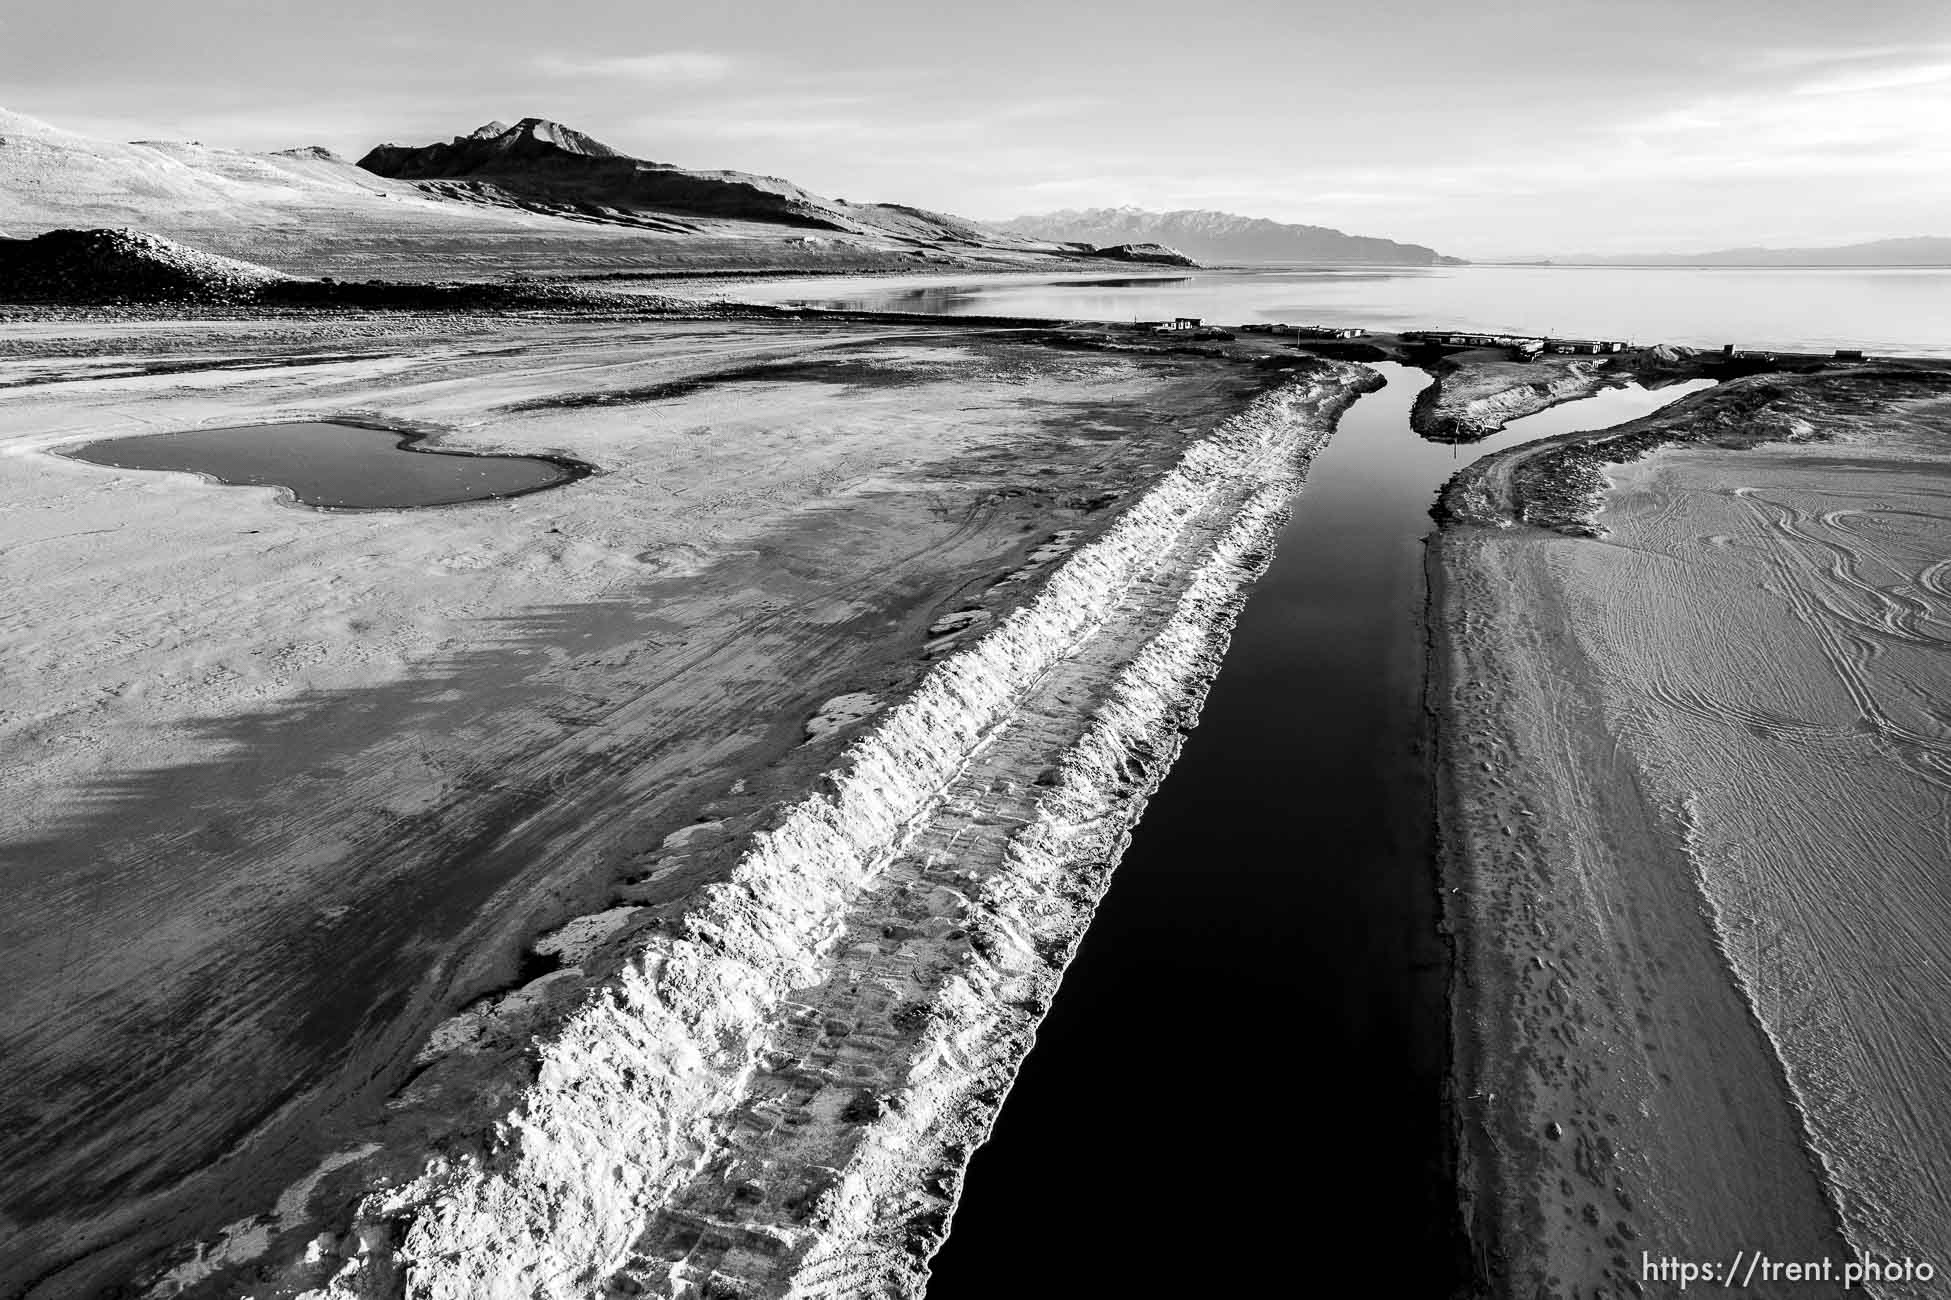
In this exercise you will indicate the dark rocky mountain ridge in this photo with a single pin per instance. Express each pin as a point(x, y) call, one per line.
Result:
point(541, 163)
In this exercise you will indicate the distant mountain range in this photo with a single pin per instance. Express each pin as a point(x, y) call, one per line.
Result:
point(541, 197)
point(533, 197)
point(1221, 236)
point(1919, 250)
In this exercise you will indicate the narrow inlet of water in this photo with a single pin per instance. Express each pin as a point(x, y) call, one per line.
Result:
point(1238, 1088)
point(335, 465)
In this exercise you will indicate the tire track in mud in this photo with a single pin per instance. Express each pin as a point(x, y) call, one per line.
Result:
point(1853, 620)
point(1824, 909)
point(1809, 1002)
point(1762, 731)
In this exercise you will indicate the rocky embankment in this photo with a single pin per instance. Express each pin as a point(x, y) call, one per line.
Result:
point(1471, 402)
point(89, 268)
point(1475, 398)
point(778, 1092)
point(92, 266)
point(1152, 254)
point(1559, 483)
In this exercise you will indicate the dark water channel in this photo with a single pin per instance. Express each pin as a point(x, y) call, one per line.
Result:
point(1238, 1089)
point(340, 466)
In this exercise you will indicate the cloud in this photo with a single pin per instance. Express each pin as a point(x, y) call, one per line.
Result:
point(854, 120)
point(1928, 74)
point(1830, 56)
point(677, 67)
point(1876, 112)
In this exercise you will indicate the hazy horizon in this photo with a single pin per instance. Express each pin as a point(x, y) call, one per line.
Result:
point(1482, 133)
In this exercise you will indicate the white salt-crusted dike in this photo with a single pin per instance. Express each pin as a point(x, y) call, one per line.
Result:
point(882, 1219)
point(629, 1086)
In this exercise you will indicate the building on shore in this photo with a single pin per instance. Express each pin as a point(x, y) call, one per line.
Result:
point(1189, 327)
point(1524, 346)
point(1584, 347)
point(1467, 339)
point(1304, 331)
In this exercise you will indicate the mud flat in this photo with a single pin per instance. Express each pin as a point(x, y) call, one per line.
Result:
point(339, 839)
point(780, 1089)
point(288, 787)
point(1693, 684)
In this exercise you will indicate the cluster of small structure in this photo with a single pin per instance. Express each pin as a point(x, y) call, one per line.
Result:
point(1521, 346)
point(1733, 353)
point(1185, 327)
point(1195, 328)
point(1306, 331)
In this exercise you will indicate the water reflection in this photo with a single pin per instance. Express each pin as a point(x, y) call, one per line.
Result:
point(340, 466)
point(1884, 310)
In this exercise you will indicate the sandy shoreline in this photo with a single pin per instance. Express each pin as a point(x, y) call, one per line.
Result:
point(1562, 1173)
point(1629, 1080)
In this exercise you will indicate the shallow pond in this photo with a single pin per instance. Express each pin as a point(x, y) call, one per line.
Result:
point(336, 466)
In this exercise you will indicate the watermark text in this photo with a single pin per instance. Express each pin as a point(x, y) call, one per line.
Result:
point(1750, 1267)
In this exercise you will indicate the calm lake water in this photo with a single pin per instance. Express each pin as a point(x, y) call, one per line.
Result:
point(344, 466)
point(1894, 311)
point(1238, 1089)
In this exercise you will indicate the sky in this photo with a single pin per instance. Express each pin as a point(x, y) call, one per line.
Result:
point(1488, 128)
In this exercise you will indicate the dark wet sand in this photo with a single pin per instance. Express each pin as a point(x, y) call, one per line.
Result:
point(1652, 1047)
